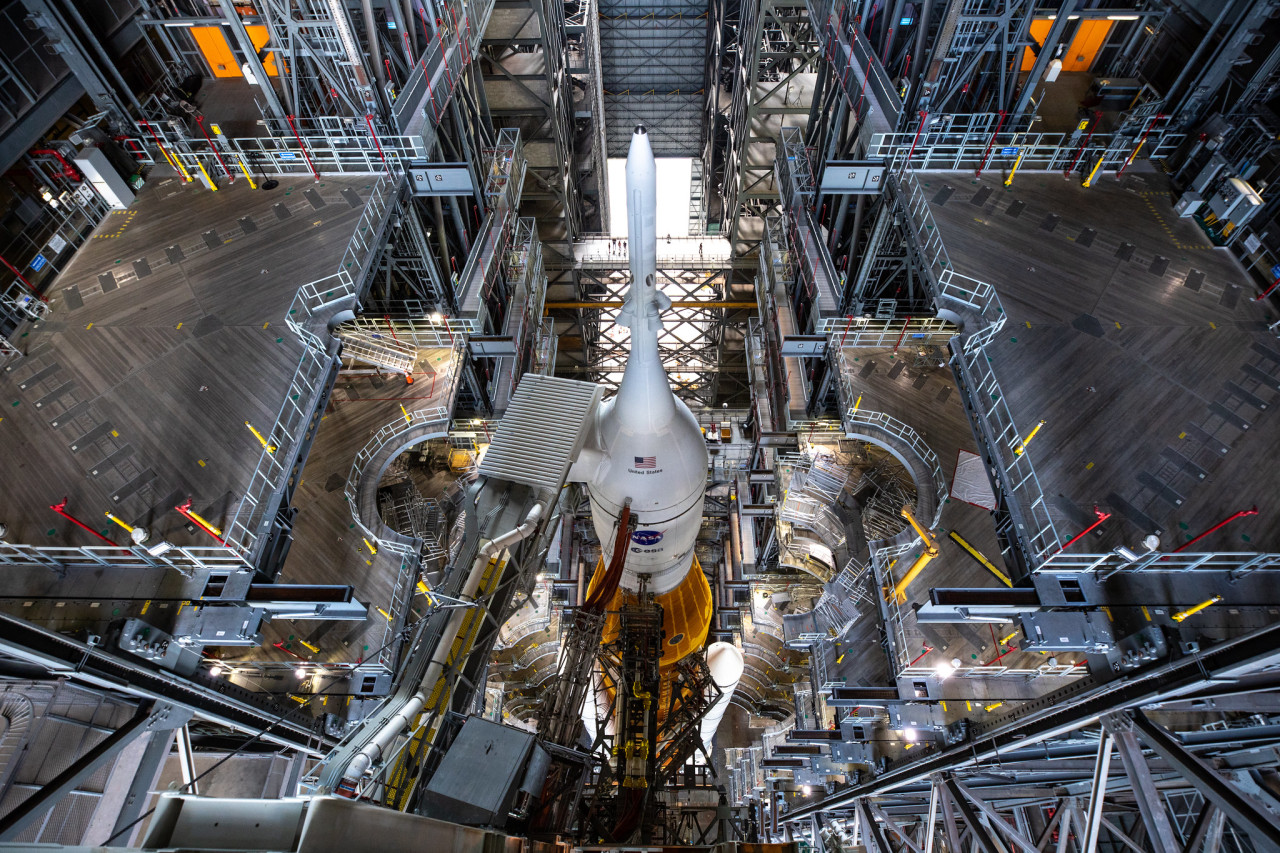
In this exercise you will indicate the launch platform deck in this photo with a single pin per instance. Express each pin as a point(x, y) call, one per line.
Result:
point(1139, 345)
point(166, 334)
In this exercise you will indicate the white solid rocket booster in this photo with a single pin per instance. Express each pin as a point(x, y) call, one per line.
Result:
point(726, 664)
point(646, 444)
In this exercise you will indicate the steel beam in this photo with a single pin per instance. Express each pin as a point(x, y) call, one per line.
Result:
point(1231, 659)
point(1244, 813)
point(1155, 816)
point(873, 836)
point(16, 821)
point(997, 821)
point(986, 840)
point(1097, 793)
point(144, 780)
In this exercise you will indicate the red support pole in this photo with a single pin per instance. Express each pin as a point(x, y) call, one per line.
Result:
point(903, 335)
point(408, 49)
point(919, 130)
point(305, 156)
point(848, 323)
point(986, 155)
point(368, 119)
point(386, 318)
point(1141, 141)
point(14, 270)
point(200, 124)
point(1241, 514)
point(60, 509)
point(1257, 298)
point(926, 651)
point(997, 658)
point(857, 112)
point(1097, 114)
point(1102, 516)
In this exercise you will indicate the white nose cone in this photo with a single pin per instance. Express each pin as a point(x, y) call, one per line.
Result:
point(650, 448)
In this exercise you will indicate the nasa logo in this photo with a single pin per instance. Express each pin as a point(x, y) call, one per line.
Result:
point(646, 537)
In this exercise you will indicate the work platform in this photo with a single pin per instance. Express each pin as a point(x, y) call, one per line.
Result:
point(1139, 345)
point(167, 333)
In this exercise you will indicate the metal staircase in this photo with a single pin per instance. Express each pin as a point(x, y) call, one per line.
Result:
point(383, 351)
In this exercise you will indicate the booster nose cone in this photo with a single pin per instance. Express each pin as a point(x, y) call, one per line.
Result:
point(644, 302)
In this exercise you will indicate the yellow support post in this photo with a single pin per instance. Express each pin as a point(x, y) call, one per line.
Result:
point(407, 419)
point(212, 185)
point(929, 553)
point(369, 545)
point(385, 614)
point(978, 555)
point(1192, 611)
point(270, 448)
point(1004, 641)
point(315, 650)
point(1023, 445)
point(205, 524)
point(1008, 182)
point(1088, 182)
point(127, 527)
point(857, 403)
point(247, 176)
point(992, 707)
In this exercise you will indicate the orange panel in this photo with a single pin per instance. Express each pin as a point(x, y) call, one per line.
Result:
point(1084, 47)
point(213, 44)
point(260, 36)
point(1039, 32)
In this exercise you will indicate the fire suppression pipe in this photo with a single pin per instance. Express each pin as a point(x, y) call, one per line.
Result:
point(68, 171)
point(1241, 514)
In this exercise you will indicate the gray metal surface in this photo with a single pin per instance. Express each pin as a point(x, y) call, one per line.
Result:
point(542, 432)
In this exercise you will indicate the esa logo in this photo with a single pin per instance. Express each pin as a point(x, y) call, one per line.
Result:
point(646, 537)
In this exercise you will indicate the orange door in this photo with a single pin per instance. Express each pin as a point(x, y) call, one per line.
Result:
point(1039, 32)
point(260, 36)
point(213, 45)
point(1084, 47)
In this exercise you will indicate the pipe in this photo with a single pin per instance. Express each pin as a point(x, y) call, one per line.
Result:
point(511, 537)
point(364, 759)
point(68, 171)
point(371, 34)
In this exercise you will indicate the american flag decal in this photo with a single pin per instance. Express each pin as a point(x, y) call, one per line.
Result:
point(646, 462)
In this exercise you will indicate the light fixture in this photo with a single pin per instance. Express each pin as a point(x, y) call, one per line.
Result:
point(437, 317)
point(215, 670)
point(945, 669)
point(300, 672)
point(910, 734)
point(1122, 17)
point(806, 790)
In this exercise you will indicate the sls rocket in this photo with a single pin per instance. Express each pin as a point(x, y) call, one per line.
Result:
point(646, 446)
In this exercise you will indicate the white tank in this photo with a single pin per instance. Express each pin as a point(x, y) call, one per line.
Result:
point(646, 444)
point(726, 665)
